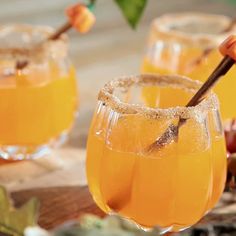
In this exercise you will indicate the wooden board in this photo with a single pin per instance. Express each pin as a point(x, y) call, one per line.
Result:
point(59, 204)
point(64, 167)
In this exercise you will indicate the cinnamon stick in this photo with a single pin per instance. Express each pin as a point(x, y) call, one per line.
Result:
point(20, 65)
point(171, 134)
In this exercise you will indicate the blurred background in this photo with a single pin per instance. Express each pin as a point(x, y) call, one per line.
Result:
point(111, 49)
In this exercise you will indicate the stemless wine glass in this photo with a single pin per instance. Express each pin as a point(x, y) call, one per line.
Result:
point(171, 187)
point(187, 44)
point(38, 95)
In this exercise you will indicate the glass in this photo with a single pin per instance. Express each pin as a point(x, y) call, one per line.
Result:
point(171, 187)
point(187, 44)
point(37, 103)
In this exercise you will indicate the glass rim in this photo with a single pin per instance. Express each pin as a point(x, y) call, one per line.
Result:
point(107, 97)
point(167, 26)
point(36, 50)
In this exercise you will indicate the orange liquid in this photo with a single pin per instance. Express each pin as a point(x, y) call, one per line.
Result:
point(94, 165)
point(168, 188)
point(218, 145)
point(199, 72)
point(219, 170)
point(36, 107)
point(218, 160)
point(95, 149)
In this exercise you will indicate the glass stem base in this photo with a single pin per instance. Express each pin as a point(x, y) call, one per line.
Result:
point(27, 152)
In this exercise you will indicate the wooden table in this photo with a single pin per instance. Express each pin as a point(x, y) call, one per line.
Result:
point(59, 204)
point(58, 181)
point(111, 49)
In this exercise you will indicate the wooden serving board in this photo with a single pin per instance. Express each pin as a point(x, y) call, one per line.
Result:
point(59, 204)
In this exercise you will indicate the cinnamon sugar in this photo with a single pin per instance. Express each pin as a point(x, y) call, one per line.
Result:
point(206, 30)
point(106, 95)
point(22, 41)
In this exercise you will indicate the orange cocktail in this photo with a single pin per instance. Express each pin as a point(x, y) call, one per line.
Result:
point(186, 44)
point(171, 187)
point(37, 103)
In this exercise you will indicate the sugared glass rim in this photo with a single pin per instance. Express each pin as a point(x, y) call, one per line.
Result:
point(35, 50)
point(166, 26)
point(175, 81)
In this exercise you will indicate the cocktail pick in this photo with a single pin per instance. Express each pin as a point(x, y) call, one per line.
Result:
point(79, 16)
point(227, 48)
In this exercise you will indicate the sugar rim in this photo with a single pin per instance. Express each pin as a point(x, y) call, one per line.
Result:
point(175, 81)
point(162, 26)
point(34, 50)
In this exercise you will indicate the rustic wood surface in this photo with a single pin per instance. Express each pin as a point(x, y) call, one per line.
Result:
point(64, 167)
point(111, 49)
point(59, 204)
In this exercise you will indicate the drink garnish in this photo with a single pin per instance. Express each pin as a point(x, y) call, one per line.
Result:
point(80, 17)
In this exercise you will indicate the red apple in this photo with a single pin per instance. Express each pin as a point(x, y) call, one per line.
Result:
point(230, 137)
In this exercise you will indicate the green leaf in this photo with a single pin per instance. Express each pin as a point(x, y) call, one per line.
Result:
point(227, 1)
point(92, 1)
point(91, 4)
point(14, 221)
point(91, 225)
point(232, 1)
point(132, 10)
